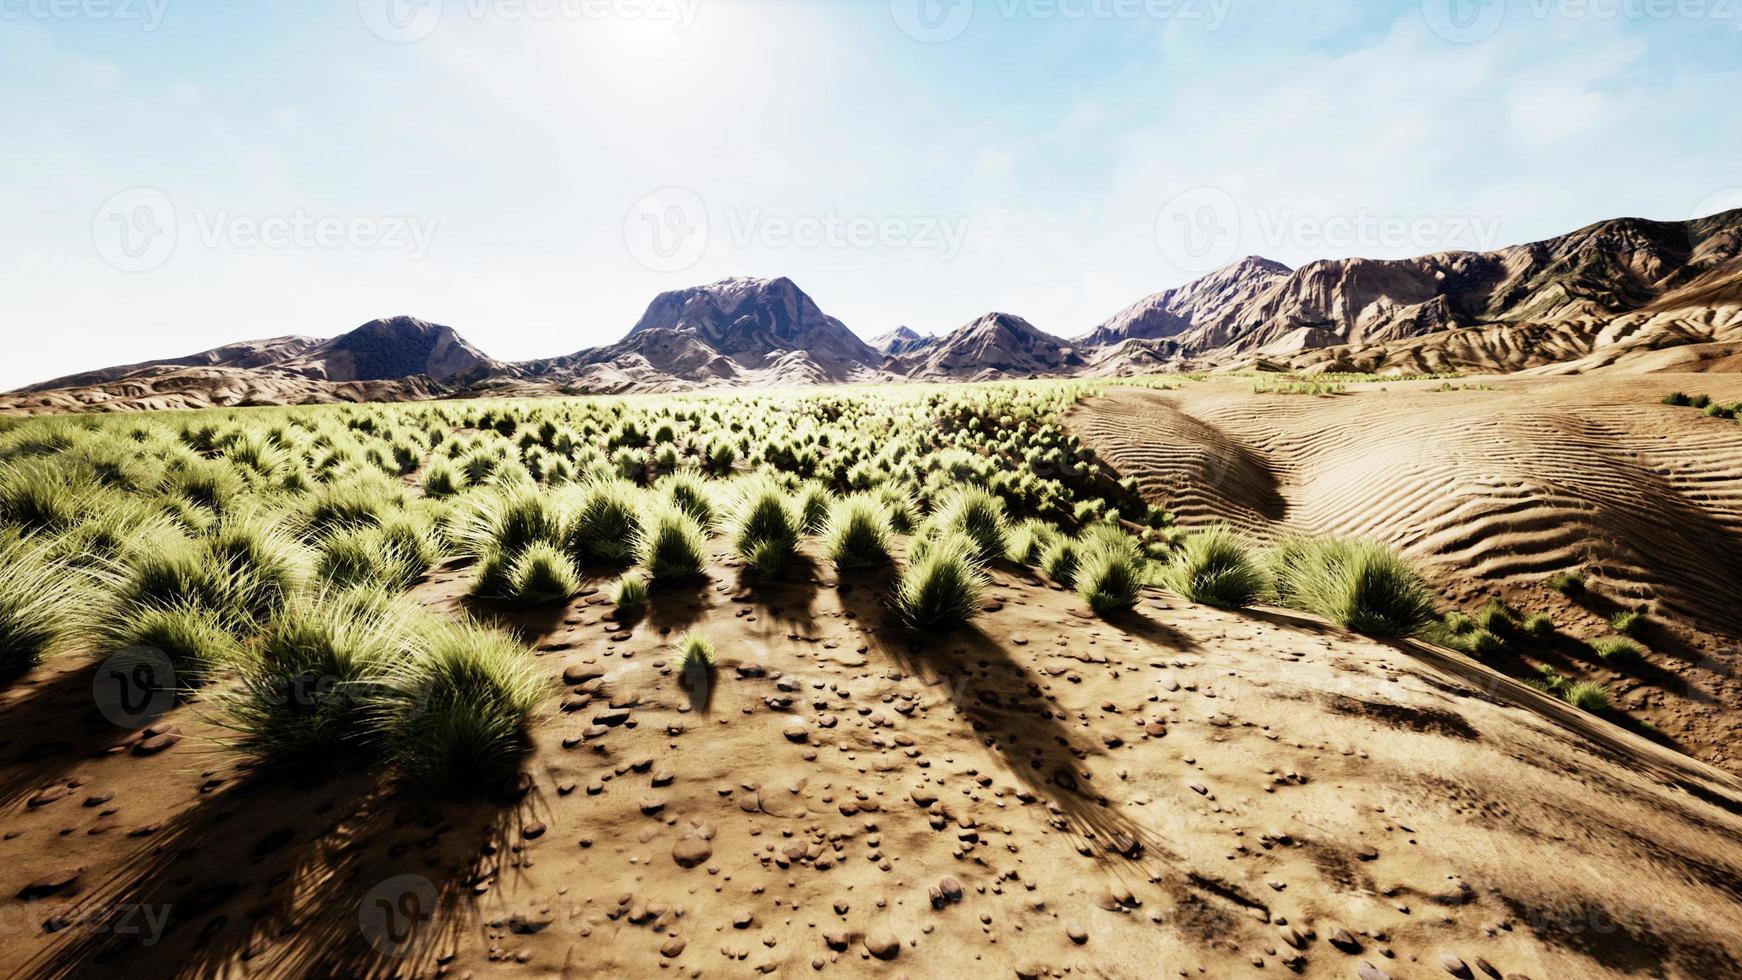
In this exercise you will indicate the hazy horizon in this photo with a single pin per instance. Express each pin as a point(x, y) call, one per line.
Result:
point(534, 173)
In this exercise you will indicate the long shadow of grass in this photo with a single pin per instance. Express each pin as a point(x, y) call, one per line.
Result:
point(1003, 702)
point(336, 877)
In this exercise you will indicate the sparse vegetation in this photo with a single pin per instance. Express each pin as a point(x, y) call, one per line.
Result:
point(1570, 583)
point(945, 587)
point(1358, 583)
point(1618, 651)
point(1587, 696)
point(856, 535)
point(1110, 578)
point(1217, 567)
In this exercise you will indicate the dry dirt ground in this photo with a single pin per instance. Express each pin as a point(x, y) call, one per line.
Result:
point(1490, 485)
point(1180, 792)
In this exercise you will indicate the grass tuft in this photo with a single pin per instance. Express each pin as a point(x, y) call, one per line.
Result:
point(1216, 567)
point(856, 535)
point(1358, 583)
point(946, 587)
point(456, 718)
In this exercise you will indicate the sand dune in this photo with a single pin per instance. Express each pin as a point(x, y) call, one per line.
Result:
point(1489, 490)
point(1228, 794)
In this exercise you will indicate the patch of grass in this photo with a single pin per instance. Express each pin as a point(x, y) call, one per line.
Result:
point(1361, 584)
point(604, 520)
point(1027, 542)
point(541, 574)
point(1538, 625)
point(856, 535)
point(944, 588)
point(690, 494)
point(442, 479)
point(671, 546)
point(695, 653)
point(39, 606)
point(1060, 561)
point(1618, 651)
point(765, 529)
point(456, 718)
point(1216, 567)
point(1588, 696)
point(814, 501)
point(1110, 578)
point(1628, 622)
point(977, 514)
point(630, 592)
point(305, 695)
point(1571, 583)
point(192, 639)
point(1497, 617)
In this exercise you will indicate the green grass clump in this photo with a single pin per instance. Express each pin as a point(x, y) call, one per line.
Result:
point(191, 639)
point(1618, 651)
point(1678, 398)
point(946, 587)
point(540, 574)
point(1538, 625)
point(306, 693)
point(1216, 567)
point(695, 653)
point(353, 557)
point(765, 529)
point(1628, 622)
point(1028, 541)
point(604, 519)
point(856, 534)
point(1060, 561)
point(977, 514)
point(1567, 583)
point(38, 496)
point(456, 718)
point(1497, 617)
point(630, 592)
point(671, 546)
point(1110, 578)
point(814, 501)
point(690, 493)
point(442, 478)
point(1587, 696)
point(1360, 584)
point(39, 606)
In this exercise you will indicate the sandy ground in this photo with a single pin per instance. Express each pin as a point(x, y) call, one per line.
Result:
point(1490, 488)
point(1184, 791)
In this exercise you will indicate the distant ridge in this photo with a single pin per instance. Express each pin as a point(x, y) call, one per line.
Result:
point(1623, 294)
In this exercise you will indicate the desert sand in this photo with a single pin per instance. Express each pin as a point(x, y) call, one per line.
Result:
point(1183, 791)
point(1490, 485)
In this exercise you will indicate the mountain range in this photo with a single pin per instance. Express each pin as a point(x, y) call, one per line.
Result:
point(1628, 293)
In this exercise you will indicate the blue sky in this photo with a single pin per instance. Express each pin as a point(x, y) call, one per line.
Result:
point(175, 174)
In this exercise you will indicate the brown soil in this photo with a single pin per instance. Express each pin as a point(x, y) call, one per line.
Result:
point(1181, 791)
